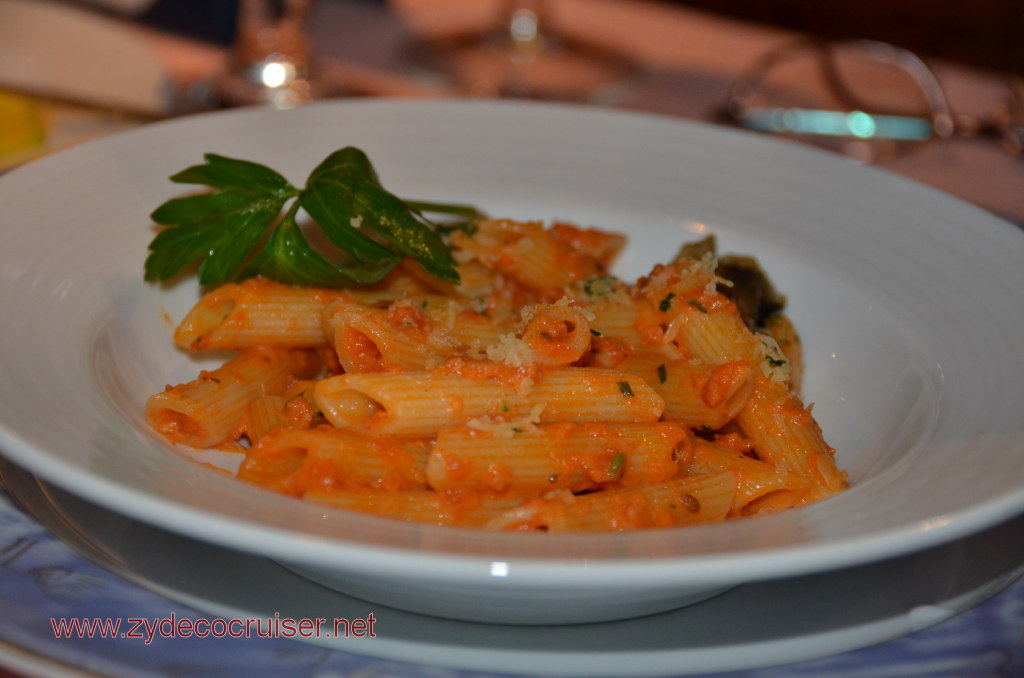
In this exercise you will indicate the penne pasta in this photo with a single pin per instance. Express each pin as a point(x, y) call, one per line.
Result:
point(556, 334)
point(256, 312)
point(466, 509)
point(265, 414)
point(567, 455)
point(690, 500)
point(700, 395)
point(530, 255)
point(373, 339)
point(785, 434)
point(294, 461)
point(539, 394)
point(415, 404)
point(761, 487)
point(205, 412)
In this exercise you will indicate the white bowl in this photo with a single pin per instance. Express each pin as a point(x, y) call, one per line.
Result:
point(908, 301)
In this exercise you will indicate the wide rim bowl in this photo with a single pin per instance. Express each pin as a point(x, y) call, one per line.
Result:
point(908, 301)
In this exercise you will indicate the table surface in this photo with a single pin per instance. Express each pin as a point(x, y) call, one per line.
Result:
point(689, 59)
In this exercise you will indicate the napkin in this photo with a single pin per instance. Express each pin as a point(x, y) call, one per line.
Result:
point(73, 54)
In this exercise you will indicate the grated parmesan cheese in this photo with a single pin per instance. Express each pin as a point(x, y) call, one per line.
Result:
point(504, 428)
point(510, 350)
point(774, 364)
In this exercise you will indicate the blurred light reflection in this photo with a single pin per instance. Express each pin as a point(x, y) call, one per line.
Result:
point(523, 26)
point(933, 523)
point(276, 73)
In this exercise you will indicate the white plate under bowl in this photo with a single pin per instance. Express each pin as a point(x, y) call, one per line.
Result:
point(908, 301)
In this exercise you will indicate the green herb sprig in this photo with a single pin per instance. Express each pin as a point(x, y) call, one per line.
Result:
point(618, 465)
point(237, 231)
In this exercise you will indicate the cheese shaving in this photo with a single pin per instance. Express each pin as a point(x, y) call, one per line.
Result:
point(503, 428)
point(774, 364)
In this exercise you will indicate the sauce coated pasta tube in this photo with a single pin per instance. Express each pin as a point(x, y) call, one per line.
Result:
point(785, 434)
point(531, 255)
point(418, 404)
point(700, 395)
point(465, 509)
point(294, 461)
point(256, 312)
point(372, 339)
point(204, 412)
point(557, 334)
point(703, 498)
point(265, 414)
point(571, 456)
point(761, 487)
point(694, 317)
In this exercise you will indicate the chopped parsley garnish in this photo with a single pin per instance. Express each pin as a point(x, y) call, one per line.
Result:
point(626, 389)
point(775, 362)
point(238, 231)
point(617, 465)
point(595, 333)
point(600, 286)
point(662, 373)
point(666, 303)
point(697, 305)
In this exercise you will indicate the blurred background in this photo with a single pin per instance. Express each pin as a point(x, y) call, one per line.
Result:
point(949, 71)
point(985, 33)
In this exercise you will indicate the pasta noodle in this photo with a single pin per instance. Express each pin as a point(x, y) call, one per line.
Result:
point(256, 312)
point(566, 455)
point(210, 410)
point(421, 403)
point(540, 394)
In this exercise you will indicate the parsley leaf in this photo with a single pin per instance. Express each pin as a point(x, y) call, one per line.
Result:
point(217, 229)
point(467, 223)
point(237, 231)
point(287, 256)
point(697, 305)
point(343, 194)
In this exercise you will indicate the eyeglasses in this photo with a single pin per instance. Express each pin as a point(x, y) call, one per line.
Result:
point(866, 98)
